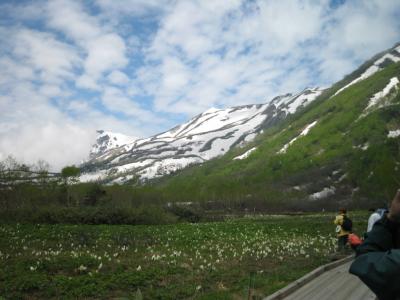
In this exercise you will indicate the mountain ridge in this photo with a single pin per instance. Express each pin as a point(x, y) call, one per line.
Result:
point(205, 136)
point(350, 157)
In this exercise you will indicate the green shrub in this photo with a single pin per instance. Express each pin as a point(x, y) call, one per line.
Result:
point(87, 215)
point(188, 213)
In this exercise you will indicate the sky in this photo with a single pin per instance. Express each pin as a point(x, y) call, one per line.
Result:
point(140, 67)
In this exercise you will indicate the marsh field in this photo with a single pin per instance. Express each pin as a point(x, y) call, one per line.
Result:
point(239, 258)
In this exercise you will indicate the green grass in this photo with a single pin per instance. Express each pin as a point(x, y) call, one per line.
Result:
point(183, 261)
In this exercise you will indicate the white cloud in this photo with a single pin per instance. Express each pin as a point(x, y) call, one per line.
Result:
point(356, 31)
point(13, 71)
point(175, 74)
point(243, 52)
point(41, 51)
point(50, 90)
point(134, 7)
point(282, 25)
point(71, 18)
point(209, 59)
point(39, 130)
point(116, 101)
point(38, 66)
point(54, 142)
point(87, 82)
point(118, 78)
point(79, 106)
point(104, 50)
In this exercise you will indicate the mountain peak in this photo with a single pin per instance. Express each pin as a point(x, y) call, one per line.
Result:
point(107, 140)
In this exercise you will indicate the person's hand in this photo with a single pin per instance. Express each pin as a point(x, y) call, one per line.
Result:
point(394, 210)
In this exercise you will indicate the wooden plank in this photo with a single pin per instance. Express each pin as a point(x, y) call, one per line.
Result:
point(282, 293)
point(332, 281)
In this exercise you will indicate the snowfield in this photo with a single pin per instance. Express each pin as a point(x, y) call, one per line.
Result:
point(303, 133)
point(326, 192)
point(246, 154)
point(393, 84)
point(394, 133)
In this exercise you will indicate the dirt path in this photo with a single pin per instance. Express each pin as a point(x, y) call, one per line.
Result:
point(336, 283)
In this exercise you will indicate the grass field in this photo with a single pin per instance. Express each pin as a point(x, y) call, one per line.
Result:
point(224, 260)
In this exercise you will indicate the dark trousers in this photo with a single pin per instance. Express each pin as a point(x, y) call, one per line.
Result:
point(342, 241)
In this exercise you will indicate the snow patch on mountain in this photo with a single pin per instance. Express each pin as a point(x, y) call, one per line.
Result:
point(301, 99)
point(303, 133)
point(135, 165)
point(215, 119)
point(389, 57)
point(382, 98)
point(375, 67)
point(394, 133)
point(370, 71)
point(326, 192)
point(246, 154)
point(365, 146)
point(167, 166)
point(393, 84)
point(289, 103)
point(93, 176)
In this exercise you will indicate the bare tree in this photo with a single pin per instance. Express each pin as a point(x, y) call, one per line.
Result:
point(42, 168)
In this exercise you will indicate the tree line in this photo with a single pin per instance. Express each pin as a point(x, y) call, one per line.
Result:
point(32, 193)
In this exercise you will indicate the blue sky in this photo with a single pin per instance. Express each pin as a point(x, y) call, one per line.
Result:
point(140, 67)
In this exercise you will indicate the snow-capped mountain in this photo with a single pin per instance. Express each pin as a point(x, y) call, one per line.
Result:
point(107, 140)
point(342, 150)
point(204, 137)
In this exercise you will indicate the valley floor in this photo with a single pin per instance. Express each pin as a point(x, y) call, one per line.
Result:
point(222, 260)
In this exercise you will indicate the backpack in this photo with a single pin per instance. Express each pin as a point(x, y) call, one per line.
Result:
point(354, 240)
point(347, 224)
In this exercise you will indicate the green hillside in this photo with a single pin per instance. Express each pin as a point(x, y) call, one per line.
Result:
point(348, 151)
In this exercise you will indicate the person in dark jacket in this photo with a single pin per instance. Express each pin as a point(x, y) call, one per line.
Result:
point(378, 258)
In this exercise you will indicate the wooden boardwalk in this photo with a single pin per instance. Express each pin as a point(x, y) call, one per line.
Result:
point(335, 283)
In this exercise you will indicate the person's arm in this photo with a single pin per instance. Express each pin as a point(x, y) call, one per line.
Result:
point(380, 238)
point(375, 217)
point(377, 263)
